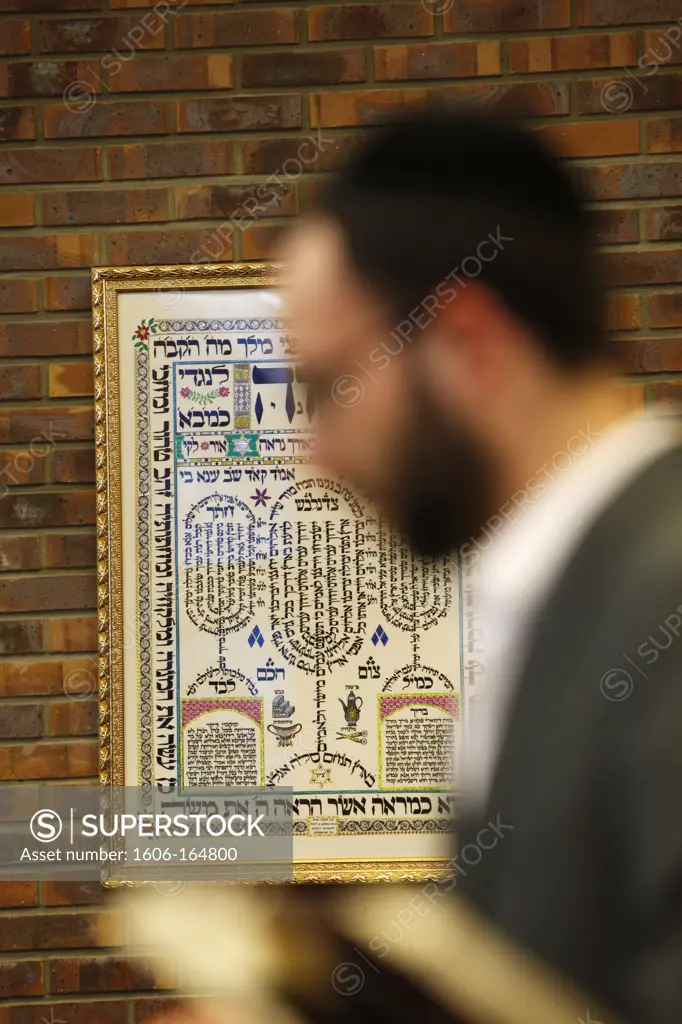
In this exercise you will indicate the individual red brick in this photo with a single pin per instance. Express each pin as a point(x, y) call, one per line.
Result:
point(665, 310)
point(139, 118)
point(67, 293)
point(650, 355)
point(22, 977)
point(369, 21)
point(294, 156)
point(76, 759)
point(639, 268)
point(19, 468)
point(260, 243)
point(665, 135)
point(291, 68)
point(668, 397)
point(436, 60)
point(171, 245)
point(45, 509)
point(238, 202)
point(35, 166)
point(632, 181)
point(70, 550)
point(145, 1011)
point(73, 718)
point(110, 207)
point(18, 295)
point(623, 313)
point(45, 338)
point(503, 16)
point(70, 380)
point(17, 123)
point(102, 974)
point(626, 12)
point(48, 593)
point(45, 426)
point(348, 108)
point(51, 931)
point(15, 37)
point(19, 894)
point(171, 160)
point(72, 676)
point(126, 34)
point(25, 6)
point(237, 28)
point(19, 554)
point(661, 46)
point(179, 71)
point(180, 3)
point(629, 93)
point(664, 223)
point(73, 465)
point(29, 252)
point(50, 78)
point(592, 138)
point(20, 637)
point(614, 226)
point(241, 204)
point(534, 98)
point(99, 1012)
point(73, 894)
point(568, 53)
point(19, 382)
point(16, 210)
point(335, 109)
point(25, 679)
point(21, 721)
point(239, 114)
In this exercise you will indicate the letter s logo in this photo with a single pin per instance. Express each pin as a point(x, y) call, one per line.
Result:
point(46, 825)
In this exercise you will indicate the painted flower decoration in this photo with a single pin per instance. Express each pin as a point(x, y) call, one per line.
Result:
point(223, 392)
point(184, 392)
point(143, 332)
point(260, 497)
point(204, 446)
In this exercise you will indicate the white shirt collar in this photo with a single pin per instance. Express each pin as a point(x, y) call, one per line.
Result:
point(524, 556)
point(542, 528)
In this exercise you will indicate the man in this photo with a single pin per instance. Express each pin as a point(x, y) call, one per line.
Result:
point(449, 322)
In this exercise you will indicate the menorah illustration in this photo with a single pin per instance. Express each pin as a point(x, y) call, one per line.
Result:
point(416, 593)
point(219, 568)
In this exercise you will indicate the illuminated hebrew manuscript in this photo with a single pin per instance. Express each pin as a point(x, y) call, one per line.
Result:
point(262, 626)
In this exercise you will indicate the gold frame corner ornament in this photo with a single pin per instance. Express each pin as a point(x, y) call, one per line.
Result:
point(107, 283)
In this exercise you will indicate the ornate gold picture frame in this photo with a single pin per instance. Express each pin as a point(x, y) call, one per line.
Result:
point(258, 625)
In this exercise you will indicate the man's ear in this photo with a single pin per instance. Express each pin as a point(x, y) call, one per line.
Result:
point(468, 349)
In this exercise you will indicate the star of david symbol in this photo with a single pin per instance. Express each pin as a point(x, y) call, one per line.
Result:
point(321, 776)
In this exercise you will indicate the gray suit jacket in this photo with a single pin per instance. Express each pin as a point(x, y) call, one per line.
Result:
point(590, 772)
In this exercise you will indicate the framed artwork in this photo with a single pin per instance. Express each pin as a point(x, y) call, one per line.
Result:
point(259, 626)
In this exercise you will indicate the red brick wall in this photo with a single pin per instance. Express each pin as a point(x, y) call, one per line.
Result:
point(171, 117)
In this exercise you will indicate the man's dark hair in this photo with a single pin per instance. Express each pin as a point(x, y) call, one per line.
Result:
point(417, 199)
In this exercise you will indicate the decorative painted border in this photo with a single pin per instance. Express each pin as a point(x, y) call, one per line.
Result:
point(107, 282)
point(143, 608)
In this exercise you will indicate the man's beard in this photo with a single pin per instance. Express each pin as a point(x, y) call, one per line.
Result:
point(440, 496)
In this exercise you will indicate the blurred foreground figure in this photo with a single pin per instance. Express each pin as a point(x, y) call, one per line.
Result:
point(233, 950)
point(449, 322)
